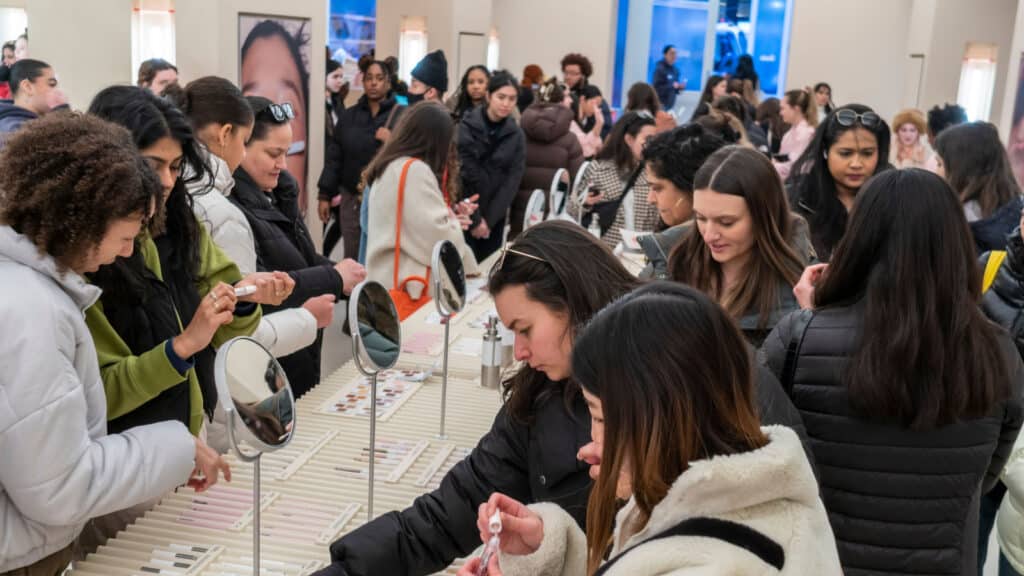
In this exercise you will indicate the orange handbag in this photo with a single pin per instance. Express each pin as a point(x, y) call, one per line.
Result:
point(404, 303)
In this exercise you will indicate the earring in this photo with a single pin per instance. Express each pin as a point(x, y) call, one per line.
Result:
point(826, 155)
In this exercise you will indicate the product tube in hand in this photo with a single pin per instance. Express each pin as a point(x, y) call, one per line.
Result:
point(244, 291)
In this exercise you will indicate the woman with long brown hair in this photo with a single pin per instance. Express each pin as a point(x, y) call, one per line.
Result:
point(407, 193)
point(546, 286)
point(675, 430)
point(912, 396)
point(741, 252)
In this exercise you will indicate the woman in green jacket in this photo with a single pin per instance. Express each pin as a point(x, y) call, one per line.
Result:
point(168, 306)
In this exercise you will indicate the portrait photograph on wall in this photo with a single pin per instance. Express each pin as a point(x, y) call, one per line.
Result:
point(274, 62)
point(1016, 146)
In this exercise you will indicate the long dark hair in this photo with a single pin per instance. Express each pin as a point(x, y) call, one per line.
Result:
point(664, 406)
point(149, 119)
point(747, 173)
point(707, 96)
point(464, 103)
point(642, 96)
point(424, 131)
point(977, 166)
point(745, 70)
point(615, 147)
point(927, 355)
point(770, 118)
point(814, 188)
point(578, 276)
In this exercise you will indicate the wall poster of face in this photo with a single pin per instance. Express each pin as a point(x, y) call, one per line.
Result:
point(274, 62)
point(1016, 146)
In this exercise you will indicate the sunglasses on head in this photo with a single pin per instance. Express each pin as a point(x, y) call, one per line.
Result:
point(281, 112)
point(509, 250)
point(847, 118)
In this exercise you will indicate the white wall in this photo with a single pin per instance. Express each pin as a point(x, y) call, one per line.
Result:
point(13, 21)
point(440, 30)
point(207, 44)
point(958, 22)
point(857, 46)
point(542, 31)
point(85, 63)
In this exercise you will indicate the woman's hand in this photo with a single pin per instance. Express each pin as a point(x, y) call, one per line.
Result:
point(804, 289)
point(351, 272)
point(209, 466)
point(522, 529)
point(215, 309)
point(322, 308)
point(272, 288)
point(593, 197)
point(323, 208)
point(481, 230)
point(472, 567)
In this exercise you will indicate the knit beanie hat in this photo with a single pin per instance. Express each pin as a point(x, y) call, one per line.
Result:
point(433, 71)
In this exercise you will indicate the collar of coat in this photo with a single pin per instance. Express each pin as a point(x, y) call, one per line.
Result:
point(727, 484)
point(249, 194)
point(15, 247)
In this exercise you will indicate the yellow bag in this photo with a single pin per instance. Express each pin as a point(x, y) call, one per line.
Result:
point(995, 260)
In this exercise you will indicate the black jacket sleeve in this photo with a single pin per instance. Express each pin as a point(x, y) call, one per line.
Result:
point(329, 183)
point(509, 185)
point(1003, 303)
point(1013, 416)
point(662, 85)
point(314, 281)
point(440, 526)
point(473, 175)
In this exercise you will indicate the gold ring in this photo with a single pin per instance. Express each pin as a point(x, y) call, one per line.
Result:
point(213, 296)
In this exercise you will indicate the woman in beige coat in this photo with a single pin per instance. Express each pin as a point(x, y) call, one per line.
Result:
point(418, 153)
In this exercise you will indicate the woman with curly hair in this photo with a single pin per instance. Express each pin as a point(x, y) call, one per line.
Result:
point(61, 219)
point(577, 69)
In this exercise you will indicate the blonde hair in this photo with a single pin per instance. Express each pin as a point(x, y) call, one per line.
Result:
point(910, 116)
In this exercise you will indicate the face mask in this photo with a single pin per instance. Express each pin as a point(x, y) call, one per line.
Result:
point(414, 98)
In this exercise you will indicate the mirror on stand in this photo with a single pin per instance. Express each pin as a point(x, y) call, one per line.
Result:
point(450, 298)
point(534, 209)
point(580, 191)
point(376, 343)
point(260, 409)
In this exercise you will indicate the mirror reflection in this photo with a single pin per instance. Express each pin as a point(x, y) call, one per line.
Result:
point(451, 279)
point(379, 327)
point(260, 394)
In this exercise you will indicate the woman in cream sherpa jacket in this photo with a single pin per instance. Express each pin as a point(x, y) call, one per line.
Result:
point(675, 430)
point(426, 220)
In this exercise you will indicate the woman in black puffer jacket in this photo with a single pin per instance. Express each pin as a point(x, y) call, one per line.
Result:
point(491, 155)
point(554, 278)
point(910, 396)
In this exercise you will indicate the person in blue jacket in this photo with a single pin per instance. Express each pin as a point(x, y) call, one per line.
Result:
point(667, 82)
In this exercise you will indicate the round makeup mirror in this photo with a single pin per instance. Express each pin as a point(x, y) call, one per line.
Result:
point(557, 193)
point(376, 344)
point(377, 339)
point(253, 388)
point(260, 409)
point(534, 210)
point(449, 279)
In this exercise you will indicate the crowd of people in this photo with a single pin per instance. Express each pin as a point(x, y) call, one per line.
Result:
point(817, 372)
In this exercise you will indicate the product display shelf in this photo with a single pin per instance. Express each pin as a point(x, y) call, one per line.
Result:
point(315, 490)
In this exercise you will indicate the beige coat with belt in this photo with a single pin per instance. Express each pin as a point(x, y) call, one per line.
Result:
point(426, 221)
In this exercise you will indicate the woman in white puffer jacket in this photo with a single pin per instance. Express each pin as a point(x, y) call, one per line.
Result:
point(675, 431)
point(61, 219)
point(222, 120)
